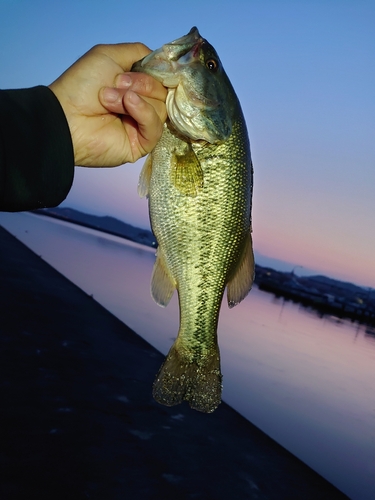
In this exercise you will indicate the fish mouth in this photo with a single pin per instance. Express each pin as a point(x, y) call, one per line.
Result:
point(182, 46)
point(163, 63)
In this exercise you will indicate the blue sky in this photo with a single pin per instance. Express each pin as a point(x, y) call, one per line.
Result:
point(305, 75)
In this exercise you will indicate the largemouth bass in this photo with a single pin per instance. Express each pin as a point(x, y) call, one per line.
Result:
point(198, 180)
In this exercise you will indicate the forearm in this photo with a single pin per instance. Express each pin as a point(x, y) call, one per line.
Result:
point(36, 152)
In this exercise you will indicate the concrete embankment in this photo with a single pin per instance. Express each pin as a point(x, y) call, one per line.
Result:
point(77, 418)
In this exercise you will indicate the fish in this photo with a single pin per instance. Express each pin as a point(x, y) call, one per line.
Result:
point(199, 183)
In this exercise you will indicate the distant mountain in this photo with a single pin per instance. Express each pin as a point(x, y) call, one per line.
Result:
point(333, 283)
point(281, 265)
point(105, 223)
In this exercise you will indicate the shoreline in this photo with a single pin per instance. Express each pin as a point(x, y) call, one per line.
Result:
point(79, 421)
point(44, 213)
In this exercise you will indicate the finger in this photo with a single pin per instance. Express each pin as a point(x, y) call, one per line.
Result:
point(150, 126)
point(124, 54)
point(142, 84)
point(159, 107)
point(112, 99)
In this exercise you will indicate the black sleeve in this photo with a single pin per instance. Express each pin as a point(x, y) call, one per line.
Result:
point(36, 151)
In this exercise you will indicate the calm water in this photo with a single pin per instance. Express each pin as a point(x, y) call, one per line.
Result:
point(308, 382)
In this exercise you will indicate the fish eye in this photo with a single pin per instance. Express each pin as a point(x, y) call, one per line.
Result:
point(211, 64)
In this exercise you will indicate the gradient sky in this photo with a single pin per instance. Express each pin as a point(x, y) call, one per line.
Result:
point(304, 72)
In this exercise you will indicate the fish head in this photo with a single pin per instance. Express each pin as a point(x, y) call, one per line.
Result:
point(201, 102)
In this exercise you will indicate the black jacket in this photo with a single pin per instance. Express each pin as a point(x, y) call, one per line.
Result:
point(36, 151)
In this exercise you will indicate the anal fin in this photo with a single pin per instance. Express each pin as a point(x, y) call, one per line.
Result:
point(162, 283)
point(241, 282)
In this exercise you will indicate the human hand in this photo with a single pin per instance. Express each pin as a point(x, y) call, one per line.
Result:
point(114, 116)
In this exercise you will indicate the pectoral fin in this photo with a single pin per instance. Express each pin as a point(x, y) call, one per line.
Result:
point(162, 283)
point(187, 173)
point(241, 281)
point(145, 177)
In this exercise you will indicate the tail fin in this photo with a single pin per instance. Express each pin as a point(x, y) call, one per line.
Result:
point(197, 382)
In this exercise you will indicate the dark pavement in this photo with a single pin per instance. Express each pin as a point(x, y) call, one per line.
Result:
point(77, 418)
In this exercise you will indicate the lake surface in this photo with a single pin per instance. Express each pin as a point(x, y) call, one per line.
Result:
point(307, 381)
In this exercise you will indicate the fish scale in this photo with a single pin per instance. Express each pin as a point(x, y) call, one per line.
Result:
point(200, 211)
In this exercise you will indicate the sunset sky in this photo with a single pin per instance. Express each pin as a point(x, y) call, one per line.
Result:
point(304, 72)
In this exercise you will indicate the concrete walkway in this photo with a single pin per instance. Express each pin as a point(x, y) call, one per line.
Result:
point(77, 419)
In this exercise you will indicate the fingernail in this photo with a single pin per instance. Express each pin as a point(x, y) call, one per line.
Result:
point(124, 81)
point(110, 94)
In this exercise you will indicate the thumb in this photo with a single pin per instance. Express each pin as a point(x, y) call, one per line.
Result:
point(123, 54)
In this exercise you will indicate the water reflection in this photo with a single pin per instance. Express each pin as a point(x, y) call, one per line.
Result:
point(370, 334)
point(355, 326)
point(305, 379)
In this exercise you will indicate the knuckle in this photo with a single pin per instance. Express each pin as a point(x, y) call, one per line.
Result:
point(141, 48)
point(98, 48)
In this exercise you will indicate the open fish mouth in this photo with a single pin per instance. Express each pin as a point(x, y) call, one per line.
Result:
point(182, 46)
point(163, 62)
